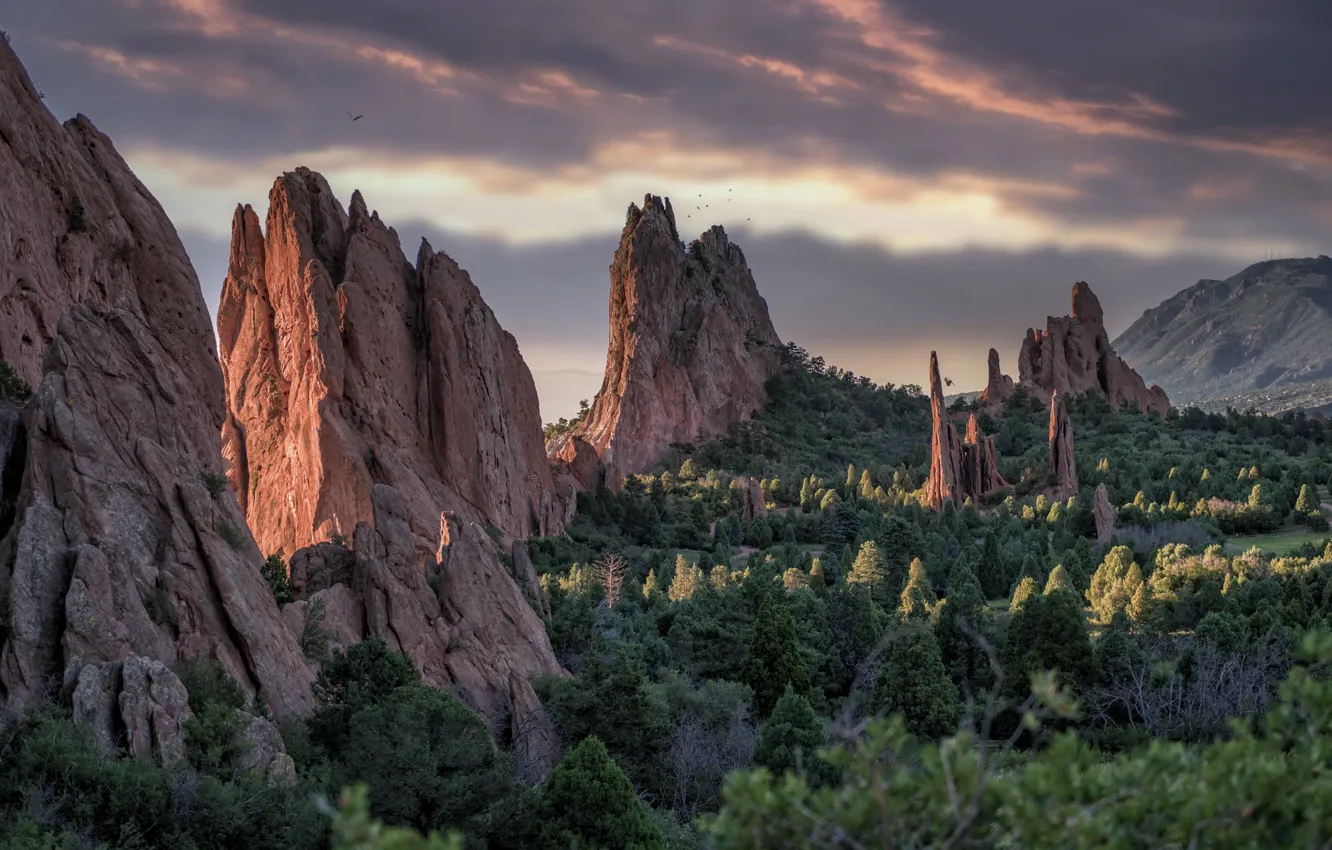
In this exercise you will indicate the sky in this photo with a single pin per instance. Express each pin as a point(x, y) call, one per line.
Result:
point(904, 176)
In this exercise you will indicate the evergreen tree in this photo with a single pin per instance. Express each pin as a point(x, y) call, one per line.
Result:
point(1047, 633)
point(773, 661)
point(1257, 498)
point(817, 582)
point(1307, 502)
point(688, 577)
point(912, 682)
point(857, 624)
point(1114, 583)
point(870, 570)
point(866, 485)
point(962, 619)
point(1025, 590)
point(1059, 580)
point(993, 569)
point(791, 737)
point(918, 599)
point(275, 573)
point(688, 472)
point(589, 804)
point(650, 589)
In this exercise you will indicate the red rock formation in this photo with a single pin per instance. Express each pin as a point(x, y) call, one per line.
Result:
point(959, 469)
point(753, 503)
point(1063, 471)
point(476, 633)
point(998, 386)
point(1104, 514)
point(347, 367)
point(1073, 356)
point(945, 447)
point(691, 344)
point(121, 544)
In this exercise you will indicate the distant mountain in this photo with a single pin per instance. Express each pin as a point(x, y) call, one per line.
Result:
point(1253, 336)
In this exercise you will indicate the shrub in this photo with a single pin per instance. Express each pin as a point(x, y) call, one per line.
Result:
point(314, 636)
point(216, 483)
point(274, 572)
point(12, 386)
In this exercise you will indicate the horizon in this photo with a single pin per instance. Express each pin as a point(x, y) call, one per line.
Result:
point(900, 198)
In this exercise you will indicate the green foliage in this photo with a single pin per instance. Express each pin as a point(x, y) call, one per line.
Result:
point(353, 828)
point(233, 536)
point(216, 483)
point(912, 682)
point(275, 573)
point(315, 636)
point(791, 738)
point(918, 599)
point(588, 803)
point(12, 386)
point(1047, 633)
point(774, 662)
point(364, 674)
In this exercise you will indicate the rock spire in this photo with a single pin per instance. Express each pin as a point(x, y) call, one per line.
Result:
point(960, 469)
point(691, 347)
point(1063, 471)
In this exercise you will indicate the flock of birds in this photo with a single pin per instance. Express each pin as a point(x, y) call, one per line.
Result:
point(356, 118)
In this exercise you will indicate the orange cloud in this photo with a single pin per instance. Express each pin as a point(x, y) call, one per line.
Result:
point(156, 75)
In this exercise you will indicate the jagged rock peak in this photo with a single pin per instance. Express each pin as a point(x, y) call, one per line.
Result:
point(376, 372)
point(960, 469)
point(998, 386)
point(691, 346)
point(1073, 356)
point(121, 541)
point(1104, 514)
point(1063, 470)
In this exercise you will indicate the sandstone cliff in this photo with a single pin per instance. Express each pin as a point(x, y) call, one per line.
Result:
point(346, 366)
point(122, 541)
point(1073, 356)
point(691, 345)
point(461, 616)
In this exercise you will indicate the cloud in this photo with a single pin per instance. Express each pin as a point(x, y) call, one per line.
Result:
point(889, 161)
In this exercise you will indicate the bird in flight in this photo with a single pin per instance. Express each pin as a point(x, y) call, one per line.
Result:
point(355, 117)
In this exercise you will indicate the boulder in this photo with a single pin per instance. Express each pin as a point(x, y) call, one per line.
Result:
point(137, 703)
point(1104, 513)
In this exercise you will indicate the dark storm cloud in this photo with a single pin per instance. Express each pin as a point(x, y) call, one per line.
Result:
point(1225, 65)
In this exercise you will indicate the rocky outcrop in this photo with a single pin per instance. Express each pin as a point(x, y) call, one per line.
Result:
point(259, 749)
point(753, 504)
point(1063, 471)
point(524, 572)
point(998, 386)
point(347, 367)
point(123, 543)
point(980, 463)
point(457, 613)
point(1073, 356)
point(136, 703)
point(1104, 514)
point(945, 447)
point(691, 344)
point(959, 469)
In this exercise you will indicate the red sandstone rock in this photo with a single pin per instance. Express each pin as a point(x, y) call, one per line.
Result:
point(1073, 356)
point(1063, 471)
point(691, 344)
point(116, 547)
point(753, 503)
point(998, 386)
point(347, 367)
point(1104, 514)
point(945, 447)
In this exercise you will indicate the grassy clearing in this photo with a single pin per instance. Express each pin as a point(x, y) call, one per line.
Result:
point(1278, 543)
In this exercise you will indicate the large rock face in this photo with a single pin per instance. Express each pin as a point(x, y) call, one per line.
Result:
point(691, 345)
point(124, 542)
point(1073, 356)
point(346, 366)
point(457, 613)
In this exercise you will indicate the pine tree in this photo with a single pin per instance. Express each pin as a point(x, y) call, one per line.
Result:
point(1059, 580)
point(686, 581)
point(791, 737)
point(918, 599)
point(588, 803)
point(1025, 590)
point(773, 661)
point(650, 589)
point(688, 472)
point(274, 571)
point(817, 582)
point(1047, 633)
point(1257, 498)
point(992, 571)
point(962, 619)
point(851, 477)
point(912, 682)
point(830, 498)
point(1306, 503)
point(870, 570)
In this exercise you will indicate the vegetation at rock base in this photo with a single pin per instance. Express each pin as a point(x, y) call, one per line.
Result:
point(850, 669)
point(12, 386)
